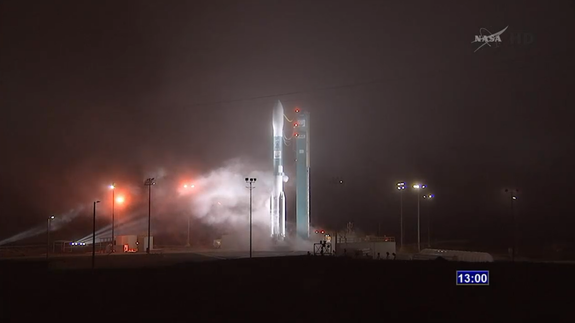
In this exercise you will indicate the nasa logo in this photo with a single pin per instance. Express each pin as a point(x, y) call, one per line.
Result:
point(488, 39)
point(485, 37)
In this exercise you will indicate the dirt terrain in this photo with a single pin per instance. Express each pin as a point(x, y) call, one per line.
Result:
point(285, 289)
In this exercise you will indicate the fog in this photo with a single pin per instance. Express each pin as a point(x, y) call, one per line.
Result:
point(216, 203)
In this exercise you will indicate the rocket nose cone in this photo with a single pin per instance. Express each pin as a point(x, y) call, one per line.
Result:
point(278, 109)
point(278, 116)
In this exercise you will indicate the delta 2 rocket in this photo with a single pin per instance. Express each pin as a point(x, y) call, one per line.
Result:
point(277, 199)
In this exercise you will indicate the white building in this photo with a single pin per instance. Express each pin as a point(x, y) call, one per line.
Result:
point(352, 245)
point(453, 255)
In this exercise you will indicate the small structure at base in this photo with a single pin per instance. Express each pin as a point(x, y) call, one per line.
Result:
point(133, 243)
point(143, 243)
point(368, 246)
point(322, 248)
point(127, 243)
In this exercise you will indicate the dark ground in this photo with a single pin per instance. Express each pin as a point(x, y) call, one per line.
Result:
point(287, 289)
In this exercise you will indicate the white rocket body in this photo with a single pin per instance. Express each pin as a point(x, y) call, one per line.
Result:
point(277, 199)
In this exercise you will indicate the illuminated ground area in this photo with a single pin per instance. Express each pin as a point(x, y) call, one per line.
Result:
point(169, 256)
point(291, 289)
point(159, 258)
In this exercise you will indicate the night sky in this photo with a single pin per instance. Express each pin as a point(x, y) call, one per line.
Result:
point(102, 91)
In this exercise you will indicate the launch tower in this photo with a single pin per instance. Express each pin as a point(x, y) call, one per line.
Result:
point(301, 133)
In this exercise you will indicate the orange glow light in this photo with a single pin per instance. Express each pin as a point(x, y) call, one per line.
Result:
point(120, 199)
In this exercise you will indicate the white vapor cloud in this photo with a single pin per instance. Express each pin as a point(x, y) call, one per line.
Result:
point(222, 197)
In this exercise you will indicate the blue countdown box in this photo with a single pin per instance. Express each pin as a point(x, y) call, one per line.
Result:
point(472, 277)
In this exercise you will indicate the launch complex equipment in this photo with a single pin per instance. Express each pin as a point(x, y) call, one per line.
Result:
point(277, 198)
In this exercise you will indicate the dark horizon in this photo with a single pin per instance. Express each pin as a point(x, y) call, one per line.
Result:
point(117, 91)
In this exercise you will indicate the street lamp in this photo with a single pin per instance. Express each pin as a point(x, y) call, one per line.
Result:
point(428, 197)
point(94, 235)
point(513, 197)
point(113, 188)
point(188, 243)
point(251, 181)
point(149, 183)
point(338, 192)
point(119, 200)
point(401, 188)
point(186, 186)
point(418, 187)
point(50, 218)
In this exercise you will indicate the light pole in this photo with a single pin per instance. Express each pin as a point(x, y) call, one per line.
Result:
point(113, 188)
point(188, 244)
point(401, 188)
point(418, 187)
point(94, 235)
point(428, 197)
point(251, 181)
point(344, 202)
point(149, 183)
point(50, 218)
point(186, 186)
point(513, 198)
